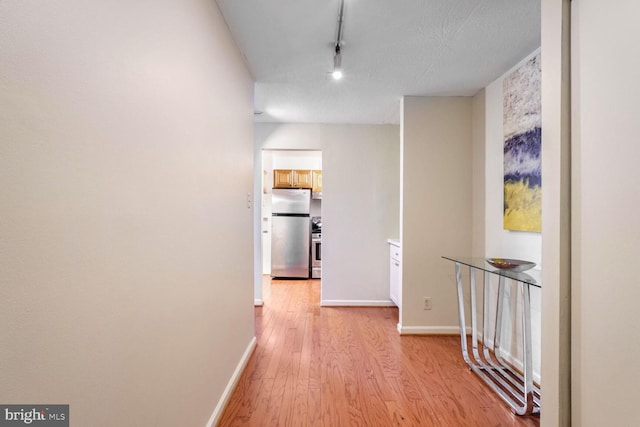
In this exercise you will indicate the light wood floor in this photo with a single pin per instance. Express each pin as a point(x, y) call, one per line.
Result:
point(335, 366)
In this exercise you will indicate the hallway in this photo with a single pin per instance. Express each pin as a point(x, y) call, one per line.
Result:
point(339, 366)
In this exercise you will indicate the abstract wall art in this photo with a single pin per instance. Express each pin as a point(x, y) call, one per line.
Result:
point(522, 148)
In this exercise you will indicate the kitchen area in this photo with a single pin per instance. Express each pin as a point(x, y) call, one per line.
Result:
point(291, 214)
point(359, 208)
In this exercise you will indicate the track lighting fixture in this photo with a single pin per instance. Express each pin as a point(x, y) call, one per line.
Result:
point(337, 64)
point(337, 56)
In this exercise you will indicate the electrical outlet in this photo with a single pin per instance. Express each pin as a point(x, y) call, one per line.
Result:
point(427, 303)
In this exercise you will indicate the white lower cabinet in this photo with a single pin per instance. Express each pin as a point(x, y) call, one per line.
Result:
point(395, 257)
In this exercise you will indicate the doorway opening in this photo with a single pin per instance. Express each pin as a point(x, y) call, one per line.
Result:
point(301, 169)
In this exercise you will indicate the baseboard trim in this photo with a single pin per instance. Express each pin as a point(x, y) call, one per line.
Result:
point(258, 302)
point(517, 363)
point(217, 412)
point(513, 361)
point(430, 330)
point(356, 303)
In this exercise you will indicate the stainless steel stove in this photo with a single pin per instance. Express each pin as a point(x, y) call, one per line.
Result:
point(316, 247)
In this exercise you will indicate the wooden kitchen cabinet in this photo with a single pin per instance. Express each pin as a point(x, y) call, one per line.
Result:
point(302, 178)
point(317, 181)
point(292, 178)
point(282, 178)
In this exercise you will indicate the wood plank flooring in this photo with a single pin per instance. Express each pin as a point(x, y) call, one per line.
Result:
point(348, 366)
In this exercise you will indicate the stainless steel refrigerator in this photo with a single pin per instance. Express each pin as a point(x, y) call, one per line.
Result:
point(290, 232)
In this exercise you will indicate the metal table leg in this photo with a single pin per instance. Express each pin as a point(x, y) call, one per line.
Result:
point(514, 388)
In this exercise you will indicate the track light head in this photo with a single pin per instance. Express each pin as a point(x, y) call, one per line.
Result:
point(337, 56)
point(337, 64)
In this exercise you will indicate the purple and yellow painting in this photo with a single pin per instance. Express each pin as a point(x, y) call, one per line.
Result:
point(522, 143)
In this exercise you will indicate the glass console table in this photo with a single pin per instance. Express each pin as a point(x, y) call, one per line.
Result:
point(486, 360)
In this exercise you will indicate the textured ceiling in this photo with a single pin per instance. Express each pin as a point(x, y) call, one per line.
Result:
point(391, 48)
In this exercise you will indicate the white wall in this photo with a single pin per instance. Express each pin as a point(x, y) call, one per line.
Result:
point(125, 163)
point(606, 213)
point(556, 399)
point(360, 182)
point(436, 208)
point(297, 159)
point(504, 243)
point(478, 158)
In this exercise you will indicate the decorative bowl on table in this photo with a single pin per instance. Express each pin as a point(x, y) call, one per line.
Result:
point(515, 265)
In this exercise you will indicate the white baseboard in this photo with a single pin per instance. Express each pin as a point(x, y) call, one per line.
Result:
point(356, 303)
point(430, 330)
point(217, 412)
point(258, 302)
point(454, 330)
point(518, 365)
point(514, 361)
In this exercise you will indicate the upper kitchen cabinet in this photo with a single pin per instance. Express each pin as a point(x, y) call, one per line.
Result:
point(302, 178)
point(317, 181)
point(282, 178)
point(292, 178)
